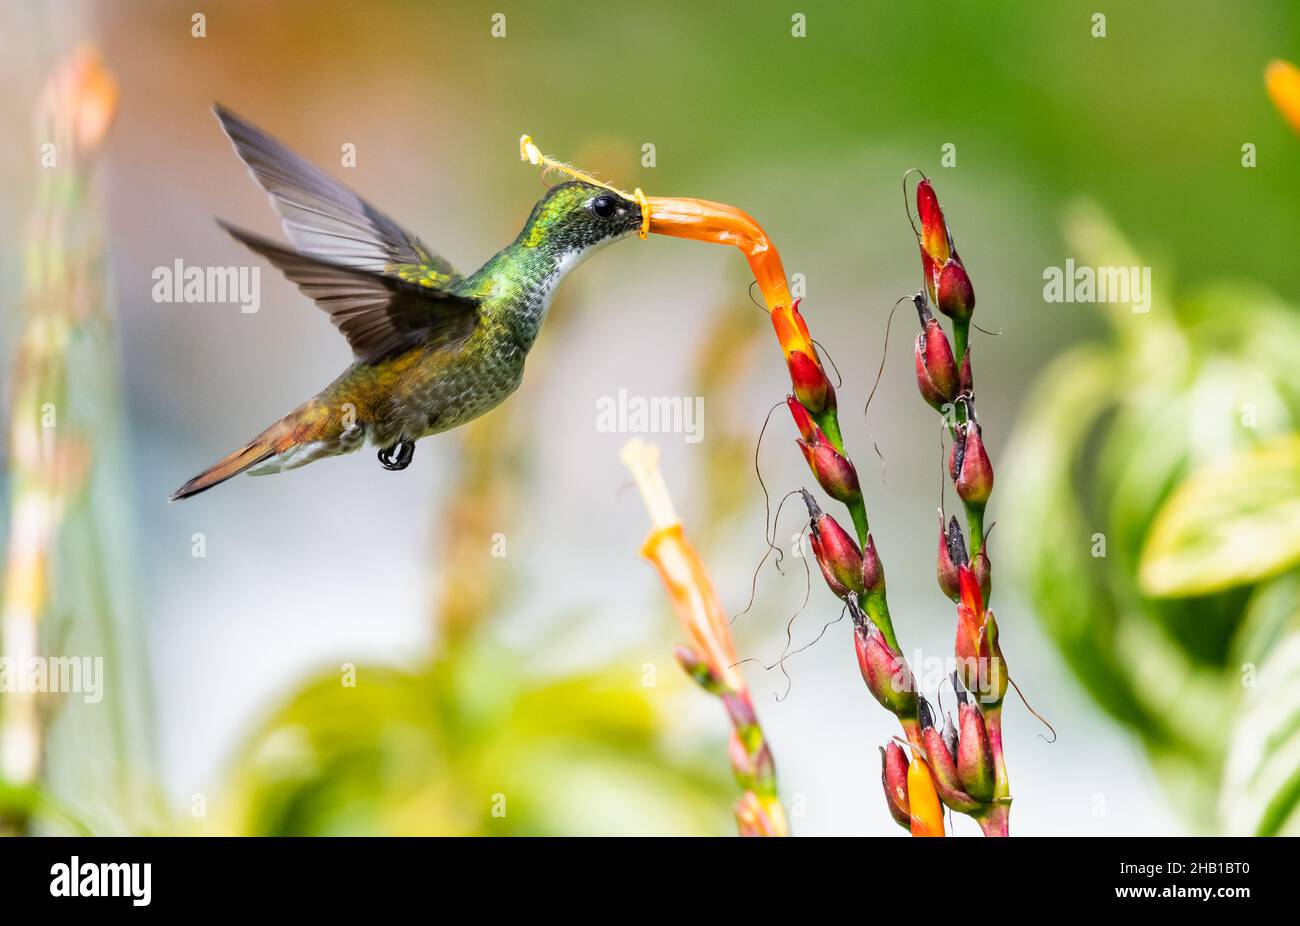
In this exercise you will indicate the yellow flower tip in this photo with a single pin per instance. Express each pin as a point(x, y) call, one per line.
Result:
point(1282, 78)
point(642, 458)
point(529, 151)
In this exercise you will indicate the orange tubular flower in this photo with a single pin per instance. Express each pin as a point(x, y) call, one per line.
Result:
point(702, 220)
point(923, 800)
point(710, 658)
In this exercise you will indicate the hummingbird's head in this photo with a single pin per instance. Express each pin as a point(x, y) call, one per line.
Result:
point(574, 218)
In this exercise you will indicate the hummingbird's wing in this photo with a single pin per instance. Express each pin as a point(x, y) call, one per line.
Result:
point(325, 219)
point(379, 314)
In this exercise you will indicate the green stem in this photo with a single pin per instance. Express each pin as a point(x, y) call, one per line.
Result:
point(996, 820)
point(960, 336)
point(877, 609)
point(873, 603)
point(858, 512)
point(829, 422)
point(975, 527)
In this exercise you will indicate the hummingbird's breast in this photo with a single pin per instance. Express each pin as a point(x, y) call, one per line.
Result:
point(435, 390)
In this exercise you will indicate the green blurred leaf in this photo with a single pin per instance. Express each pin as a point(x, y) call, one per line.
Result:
point(19, 801)
point(1157, 466)
point(1228, 524)
point(474, 744)
point(1261, 786)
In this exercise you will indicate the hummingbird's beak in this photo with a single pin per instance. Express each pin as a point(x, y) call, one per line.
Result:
point(702, 220)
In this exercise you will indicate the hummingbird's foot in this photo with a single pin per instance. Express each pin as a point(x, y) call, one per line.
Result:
point(397, 456)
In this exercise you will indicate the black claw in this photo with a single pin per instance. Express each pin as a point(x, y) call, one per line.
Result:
point(397, 456)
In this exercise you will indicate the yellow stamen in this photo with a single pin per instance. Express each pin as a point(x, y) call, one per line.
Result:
point(528, 151)
point(641, 201)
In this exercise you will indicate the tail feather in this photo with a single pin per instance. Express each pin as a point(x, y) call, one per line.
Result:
point(312, 430)
point(273, 440)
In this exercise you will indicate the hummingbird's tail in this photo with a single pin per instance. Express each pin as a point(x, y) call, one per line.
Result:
point(305, 434)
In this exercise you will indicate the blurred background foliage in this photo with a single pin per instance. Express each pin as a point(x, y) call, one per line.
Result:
point(1170, 447)
point(526, 675)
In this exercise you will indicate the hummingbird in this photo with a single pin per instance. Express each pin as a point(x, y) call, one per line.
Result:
point(433, 349)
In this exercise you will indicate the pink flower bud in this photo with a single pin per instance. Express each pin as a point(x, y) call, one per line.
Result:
point(974, 757)
point(893, 777)
point(885, 671)
point(873, 571)
point(952, 553)
point(936, 370)
point(965, 382)
point(954, 294)
point(836, 552)
point(946, 780)
point(969, 465)
point(834, 473)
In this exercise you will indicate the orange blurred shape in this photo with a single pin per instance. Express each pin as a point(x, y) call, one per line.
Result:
point(80, 99)
point(695, 601)
point(1283, 81)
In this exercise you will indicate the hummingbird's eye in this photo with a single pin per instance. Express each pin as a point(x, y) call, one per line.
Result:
point(604, 206)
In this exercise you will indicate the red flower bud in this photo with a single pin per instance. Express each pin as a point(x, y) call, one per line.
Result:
point(965, 382)
point(884, 670)
point(936, 243)
point(935, 240)
point(836, 552)
point(981, 667)
point(952, 553)
point(969, 465)
point(974, 757)
point(802, 420)
point(835, 474)
point(936, 370)
point(955, 296)
point(946, 780)
point(970, 615)
point(811, 386)
point(893, 777)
